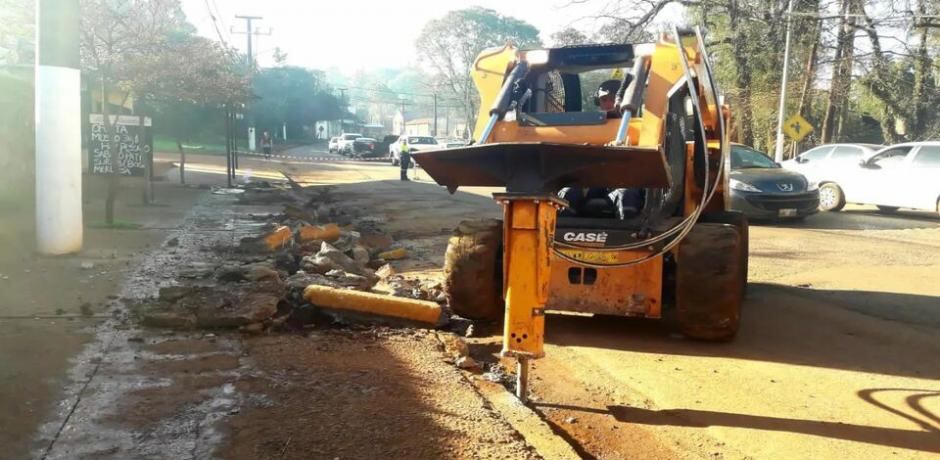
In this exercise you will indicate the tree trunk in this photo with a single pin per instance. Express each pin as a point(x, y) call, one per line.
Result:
point(179, 146)
point(836, 83)
point(921, 96)
point(743, 83)
point(114, 152)
point(148, 162)
point(809, 76)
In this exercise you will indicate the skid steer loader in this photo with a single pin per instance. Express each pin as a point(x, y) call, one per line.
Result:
point(682, 255)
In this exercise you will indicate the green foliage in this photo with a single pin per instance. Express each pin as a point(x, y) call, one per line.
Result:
point(450, 45)
point(568, 36)
point(17, 31)
point(291, 95)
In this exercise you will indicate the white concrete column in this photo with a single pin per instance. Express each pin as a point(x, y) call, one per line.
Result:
point(58, 128)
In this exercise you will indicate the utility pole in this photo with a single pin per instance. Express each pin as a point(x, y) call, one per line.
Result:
point(342, 120)
point(778, 150)
point(58, 129)
point(435, 114)
point(249, 33)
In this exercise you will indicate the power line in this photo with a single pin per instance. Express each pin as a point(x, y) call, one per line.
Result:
point(215, 23)
point(218, 12)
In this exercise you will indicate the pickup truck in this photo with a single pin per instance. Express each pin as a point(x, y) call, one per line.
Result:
point(415, 144)
point(345, 144)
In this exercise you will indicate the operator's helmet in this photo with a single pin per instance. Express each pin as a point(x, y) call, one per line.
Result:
point(609, 87)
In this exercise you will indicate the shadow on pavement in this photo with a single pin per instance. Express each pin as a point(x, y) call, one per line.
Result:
point(928, 441)
point(789, 325)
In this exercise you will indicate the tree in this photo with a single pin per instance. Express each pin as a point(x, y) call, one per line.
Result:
point(568, 36)
point(279, 56)
point(114, 31)
point(191, 79)
point(17, 31)
point(292, 95)
point(449, 45)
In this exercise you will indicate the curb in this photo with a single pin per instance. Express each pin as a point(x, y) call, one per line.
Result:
point(525, 421)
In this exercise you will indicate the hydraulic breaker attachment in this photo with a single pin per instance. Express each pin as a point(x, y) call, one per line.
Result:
point(532, 174)
point(528, 233)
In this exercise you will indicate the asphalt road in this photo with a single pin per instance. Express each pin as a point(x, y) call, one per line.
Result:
point(837, 356)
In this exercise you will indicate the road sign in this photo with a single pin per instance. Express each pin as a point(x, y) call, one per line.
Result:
point(797, 127)
point(617, 74)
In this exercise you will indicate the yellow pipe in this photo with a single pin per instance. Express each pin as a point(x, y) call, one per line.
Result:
point(377, 304)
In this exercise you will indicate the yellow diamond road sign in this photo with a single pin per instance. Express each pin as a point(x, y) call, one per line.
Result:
point(617, 74)
point(797, 127)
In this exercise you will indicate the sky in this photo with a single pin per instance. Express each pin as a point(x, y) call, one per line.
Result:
point(354, 34)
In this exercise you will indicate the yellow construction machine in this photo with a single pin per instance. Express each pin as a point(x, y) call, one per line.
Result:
point(678, 253)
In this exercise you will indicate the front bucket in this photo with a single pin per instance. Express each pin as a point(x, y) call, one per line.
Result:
point(535, 167)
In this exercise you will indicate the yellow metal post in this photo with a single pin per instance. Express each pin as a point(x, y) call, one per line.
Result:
point(529, 232)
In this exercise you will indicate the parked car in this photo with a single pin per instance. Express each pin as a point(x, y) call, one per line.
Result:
point(363, 147)
point(415, 144)
point(455, 144)
point(900, 176)
point(383, 146)
point(761, 189)
point(333, 145)
point(345, 146)
point(813, 162)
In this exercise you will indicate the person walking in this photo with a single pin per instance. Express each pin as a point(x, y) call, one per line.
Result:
point(405, 162)
point(267, 144)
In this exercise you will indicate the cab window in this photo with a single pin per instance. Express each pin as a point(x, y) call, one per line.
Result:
point(845, 152)
point(890, 158)
point(927, 157)
point(816, 154)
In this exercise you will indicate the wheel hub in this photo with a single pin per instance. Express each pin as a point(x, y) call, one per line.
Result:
point(827, 198)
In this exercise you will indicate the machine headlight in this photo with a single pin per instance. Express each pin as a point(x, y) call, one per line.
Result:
point(743, 186)
point(812, 186)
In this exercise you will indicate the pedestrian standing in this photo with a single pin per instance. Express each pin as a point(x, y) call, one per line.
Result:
point(267, 144)
point(405, 162)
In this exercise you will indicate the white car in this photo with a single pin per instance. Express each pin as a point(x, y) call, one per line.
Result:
point(333, 146)
point(346, 141)
point(900, 176)
point(415, 144)
point(815, 162)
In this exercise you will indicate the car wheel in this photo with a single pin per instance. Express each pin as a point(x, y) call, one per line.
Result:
point(831, 197)
point(887, 208)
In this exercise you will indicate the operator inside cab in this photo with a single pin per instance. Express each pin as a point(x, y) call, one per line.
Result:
point(622, 203)
point(606, 95)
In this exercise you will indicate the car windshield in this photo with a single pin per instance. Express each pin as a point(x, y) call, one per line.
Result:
point(747, 158)
point(365, 139)
point(421, 140)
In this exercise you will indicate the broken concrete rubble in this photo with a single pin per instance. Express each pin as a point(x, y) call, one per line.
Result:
point(327, 233)
point(394, 254)
point(360, 255)
point(330, 258)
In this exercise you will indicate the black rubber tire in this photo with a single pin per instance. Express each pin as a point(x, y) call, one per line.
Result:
point(887, 209)
point(838, 201)
point(473, 278)
point(718, 320)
